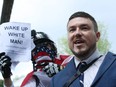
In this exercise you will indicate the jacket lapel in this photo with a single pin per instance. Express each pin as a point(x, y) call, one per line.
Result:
point(109, 59)
point(70, 68)
point(71, 71)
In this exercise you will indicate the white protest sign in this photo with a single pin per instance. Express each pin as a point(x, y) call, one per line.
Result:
point(15, 40)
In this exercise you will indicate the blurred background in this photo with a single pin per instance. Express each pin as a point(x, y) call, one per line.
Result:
point(51, 16)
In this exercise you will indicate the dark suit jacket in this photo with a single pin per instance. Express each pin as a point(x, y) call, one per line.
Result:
point(106, 75)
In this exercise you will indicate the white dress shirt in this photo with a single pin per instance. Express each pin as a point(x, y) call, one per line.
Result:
point(91, 72)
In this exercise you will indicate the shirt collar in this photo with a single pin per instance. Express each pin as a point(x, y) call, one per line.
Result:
point(95, 55)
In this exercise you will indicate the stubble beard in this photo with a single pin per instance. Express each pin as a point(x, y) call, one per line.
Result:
point(84, 54)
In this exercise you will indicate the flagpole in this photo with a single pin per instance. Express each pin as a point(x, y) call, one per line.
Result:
point(6, 11)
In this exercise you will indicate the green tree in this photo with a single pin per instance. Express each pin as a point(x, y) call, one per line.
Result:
point(1, 83)
point(103, 43)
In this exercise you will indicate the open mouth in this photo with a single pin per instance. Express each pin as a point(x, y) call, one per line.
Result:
point(78, 41)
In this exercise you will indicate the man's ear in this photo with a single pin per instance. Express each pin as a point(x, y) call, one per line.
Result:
point(97, 36)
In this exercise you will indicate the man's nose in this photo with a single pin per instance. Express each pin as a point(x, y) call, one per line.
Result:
point(78, 32)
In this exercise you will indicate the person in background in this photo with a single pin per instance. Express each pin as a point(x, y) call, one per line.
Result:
point(88, 68)
point(45, 61)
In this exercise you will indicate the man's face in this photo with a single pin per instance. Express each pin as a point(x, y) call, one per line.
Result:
point(81, 37)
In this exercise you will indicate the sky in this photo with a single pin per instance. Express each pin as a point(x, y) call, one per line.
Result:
point(51, 16)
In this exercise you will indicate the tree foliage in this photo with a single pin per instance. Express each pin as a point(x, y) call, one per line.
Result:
point(103, 44)
point(1, 83)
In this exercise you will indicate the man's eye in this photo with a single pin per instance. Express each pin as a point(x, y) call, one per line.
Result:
point(84, 28)
point(71, 29)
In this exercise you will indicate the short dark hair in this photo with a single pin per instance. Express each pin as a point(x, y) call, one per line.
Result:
point(85, 15)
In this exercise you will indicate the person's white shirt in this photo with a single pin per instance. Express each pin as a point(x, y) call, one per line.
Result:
point(91, 72)
point(44, 80)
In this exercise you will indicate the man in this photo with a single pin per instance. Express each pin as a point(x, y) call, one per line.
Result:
point(45, 61)
point(98, 70)
point(44, 53)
